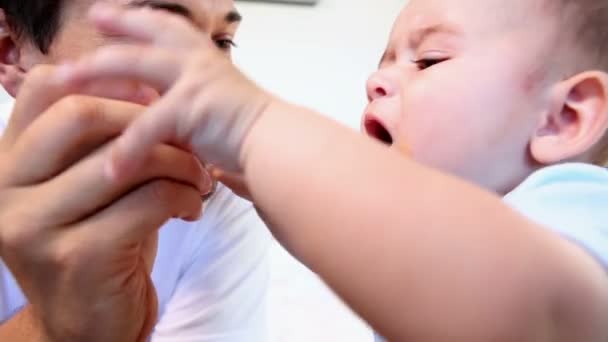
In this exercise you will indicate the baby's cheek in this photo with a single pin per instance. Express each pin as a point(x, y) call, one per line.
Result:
point(431, 132)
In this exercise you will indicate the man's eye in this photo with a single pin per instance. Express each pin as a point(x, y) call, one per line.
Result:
point(426, 63)
point(225, 44)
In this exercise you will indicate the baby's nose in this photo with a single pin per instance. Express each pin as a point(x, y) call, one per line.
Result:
point(379, 86)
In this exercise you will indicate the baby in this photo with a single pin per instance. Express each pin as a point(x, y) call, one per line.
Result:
point(490, 223)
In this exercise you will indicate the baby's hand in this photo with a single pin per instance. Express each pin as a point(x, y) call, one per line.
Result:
point(207, 105)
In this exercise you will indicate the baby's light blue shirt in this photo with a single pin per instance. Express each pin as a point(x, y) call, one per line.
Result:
point(572, 201)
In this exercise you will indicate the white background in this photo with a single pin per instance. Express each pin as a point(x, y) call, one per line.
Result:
point(320, 57)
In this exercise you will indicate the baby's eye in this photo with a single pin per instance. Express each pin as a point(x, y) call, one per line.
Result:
point(425, 63)
point(225, 44)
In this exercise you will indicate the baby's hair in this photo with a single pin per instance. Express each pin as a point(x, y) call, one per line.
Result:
point(586, 23)
point(601, 157)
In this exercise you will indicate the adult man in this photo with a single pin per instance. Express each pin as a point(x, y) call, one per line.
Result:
point(59, 220)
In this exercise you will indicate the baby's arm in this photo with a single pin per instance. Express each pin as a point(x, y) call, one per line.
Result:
point(420, 255)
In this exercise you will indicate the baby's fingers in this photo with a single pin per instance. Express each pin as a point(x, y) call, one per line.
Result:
point(153, 66)
point(146, 26)
point(157, 125)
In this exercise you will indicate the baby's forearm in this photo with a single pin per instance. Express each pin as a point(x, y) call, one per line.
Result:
point(417, 253)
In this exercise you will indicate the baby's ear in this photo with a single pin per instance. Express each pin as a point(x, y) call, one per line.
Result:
point(576, 120)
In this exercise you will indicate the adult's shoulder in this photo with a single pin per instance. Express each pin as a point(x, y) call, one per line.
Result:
point(212, 274)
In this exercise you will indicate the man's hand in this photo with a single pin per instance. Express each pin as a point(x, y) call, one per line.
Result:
point(81, 247)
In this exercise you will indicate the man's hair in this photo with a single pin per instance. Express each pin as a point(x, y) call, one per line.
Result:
point(36, 20)
point(585, 23)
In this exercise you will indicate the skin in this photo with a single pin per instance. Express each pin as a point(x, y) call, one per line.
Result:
point(80, 284)
point(425, 267)
point(77, 36)
point(466, 78)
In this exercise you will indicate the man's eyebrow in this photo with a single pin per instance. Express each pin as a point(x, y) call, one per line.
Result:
point(164, 5)
point(230, 18)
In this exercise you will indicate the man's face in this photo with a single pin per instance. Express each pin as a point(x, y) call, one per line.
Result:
point(77, 36)
point(457, 87)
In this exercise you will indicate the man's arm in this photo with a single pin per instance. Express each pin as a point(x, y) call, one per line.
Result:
point(83, 261)
point(222, 292)
point(420, 255)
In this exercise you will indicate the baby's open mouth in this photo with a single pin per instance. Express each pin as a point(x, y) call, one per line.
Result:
point(376, 129)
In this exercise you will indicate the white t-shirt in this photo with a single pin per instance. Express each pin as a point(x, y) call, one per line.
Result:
point(572, 201)
point(211, 276)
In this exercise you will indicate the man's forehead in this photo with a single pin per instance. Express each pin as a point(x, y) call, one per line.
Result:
point(194, 9)
point(219, 4)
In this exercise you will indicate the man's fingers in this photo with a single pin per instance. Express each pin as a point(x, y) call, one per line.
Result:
point(36, 94)
point(145, 25)
point(143, 211)
point(41, 90)
point(155, 67)
point(95, 191)
point(71, 129)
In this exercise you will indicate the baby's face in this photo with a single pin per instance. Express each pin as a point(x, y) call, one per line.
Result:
point(460, 87)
